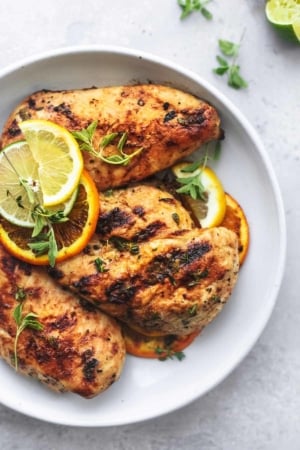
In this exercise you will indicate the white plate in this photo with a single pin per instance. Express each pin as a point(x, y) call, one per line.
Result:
point(150, 388)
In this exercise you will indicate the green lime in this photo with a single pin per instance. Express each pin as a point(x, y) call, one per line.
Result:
point(284, 15)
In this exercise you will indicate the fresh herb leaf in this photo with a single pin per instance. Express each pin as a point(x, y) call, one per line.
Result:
point(123, 244)
point(192, 185)
point(229, 48)
point(22, 322)
point(234, 78)
point(100, 265)
point(20, 295)
point(167, 353)
point(176, 218)
point(85, 140)
point(190, 6)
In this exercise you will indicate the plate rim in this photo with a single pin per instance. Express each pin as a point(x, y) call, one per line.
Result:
point(278, 202)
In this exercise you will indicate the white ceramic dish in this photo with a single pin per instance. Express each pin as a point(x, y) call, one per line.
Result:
point(150, 388)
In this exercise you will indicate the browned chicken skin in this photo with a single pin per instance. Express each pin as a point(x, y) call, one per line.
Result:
point(166, 123)
point(155, 275)
point(79, 350)
point(147, 264)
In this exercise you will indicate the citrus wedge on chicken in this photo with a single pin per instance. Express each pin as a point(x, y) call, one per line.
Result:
point(236, 220)
point(156, 347)
point(209, 209)
point(58, 158)
point(19, 176)
point(71, 236)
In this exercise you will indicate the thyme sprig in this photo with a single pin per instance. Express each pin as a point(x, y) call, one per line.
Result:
point(192, 185)
point(85, 139)
point(190, 6)
point(230, 50)
point(28, 321)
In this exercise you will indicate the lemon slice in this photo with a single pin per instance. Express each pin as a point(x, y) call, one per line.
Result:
point(58, 157)
point(284, 15)
point(71, 236)
point(209, 211)
point(18, 171)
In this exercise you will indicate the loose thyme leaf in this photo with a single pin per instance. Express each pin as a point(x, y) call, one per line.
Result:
point(189, 6)
point(228, 48)
point(235, 80)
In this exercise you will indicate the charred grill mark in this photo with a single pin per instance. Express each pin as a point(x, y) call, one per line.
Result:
point(87, 305)
point(59, 356)
point(64, 109)
point(170, 115)
point(112, 220)
point(55, 273)
point(31, 103)
point(62, 323)
point(90, 366)
point(138, 211)
point(148, 232)
point(84, 283)
point(14, 130)
point(195, 118)
point(8, 264)
point(166, 266)
point(169, 200)
point(121, 291)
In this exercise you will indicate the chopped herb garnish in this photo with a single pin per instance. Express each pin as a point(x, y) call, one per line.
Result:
point(176, 218)
point(190, 6)
point(167, 353)
point(22, 322)
point(193, 310)
point(123, 244)
point(192, 185)
point(85, 139)
point(230, 50)
point(20, 295)
point(100, 265)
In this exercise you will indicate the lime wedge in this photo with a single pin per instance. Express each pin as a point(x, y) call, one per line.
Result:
point(284, 16)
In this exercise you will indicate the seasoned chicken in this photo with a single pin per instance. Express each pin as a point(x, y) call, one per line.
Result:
point(165, 123)
point(158, 279)
point(79, 349)
point(140, 212)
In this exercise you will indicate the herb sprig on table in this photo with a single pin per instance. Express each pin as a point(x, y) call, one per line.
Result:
point(190, 6)
point(226, 66)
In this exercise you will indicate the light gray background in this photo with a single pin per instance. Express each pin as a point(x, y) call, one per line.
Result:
point(258, 406)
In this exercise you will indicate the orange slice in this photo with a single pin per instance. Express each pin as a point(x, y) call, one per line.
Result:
point(71, 236)
point(236, 220)
point(156, 347)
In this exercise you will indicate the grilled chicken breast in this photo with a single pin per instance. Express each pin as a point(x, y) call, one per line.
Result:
point(79, 349)
point(149, 272)
point(166, 123)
